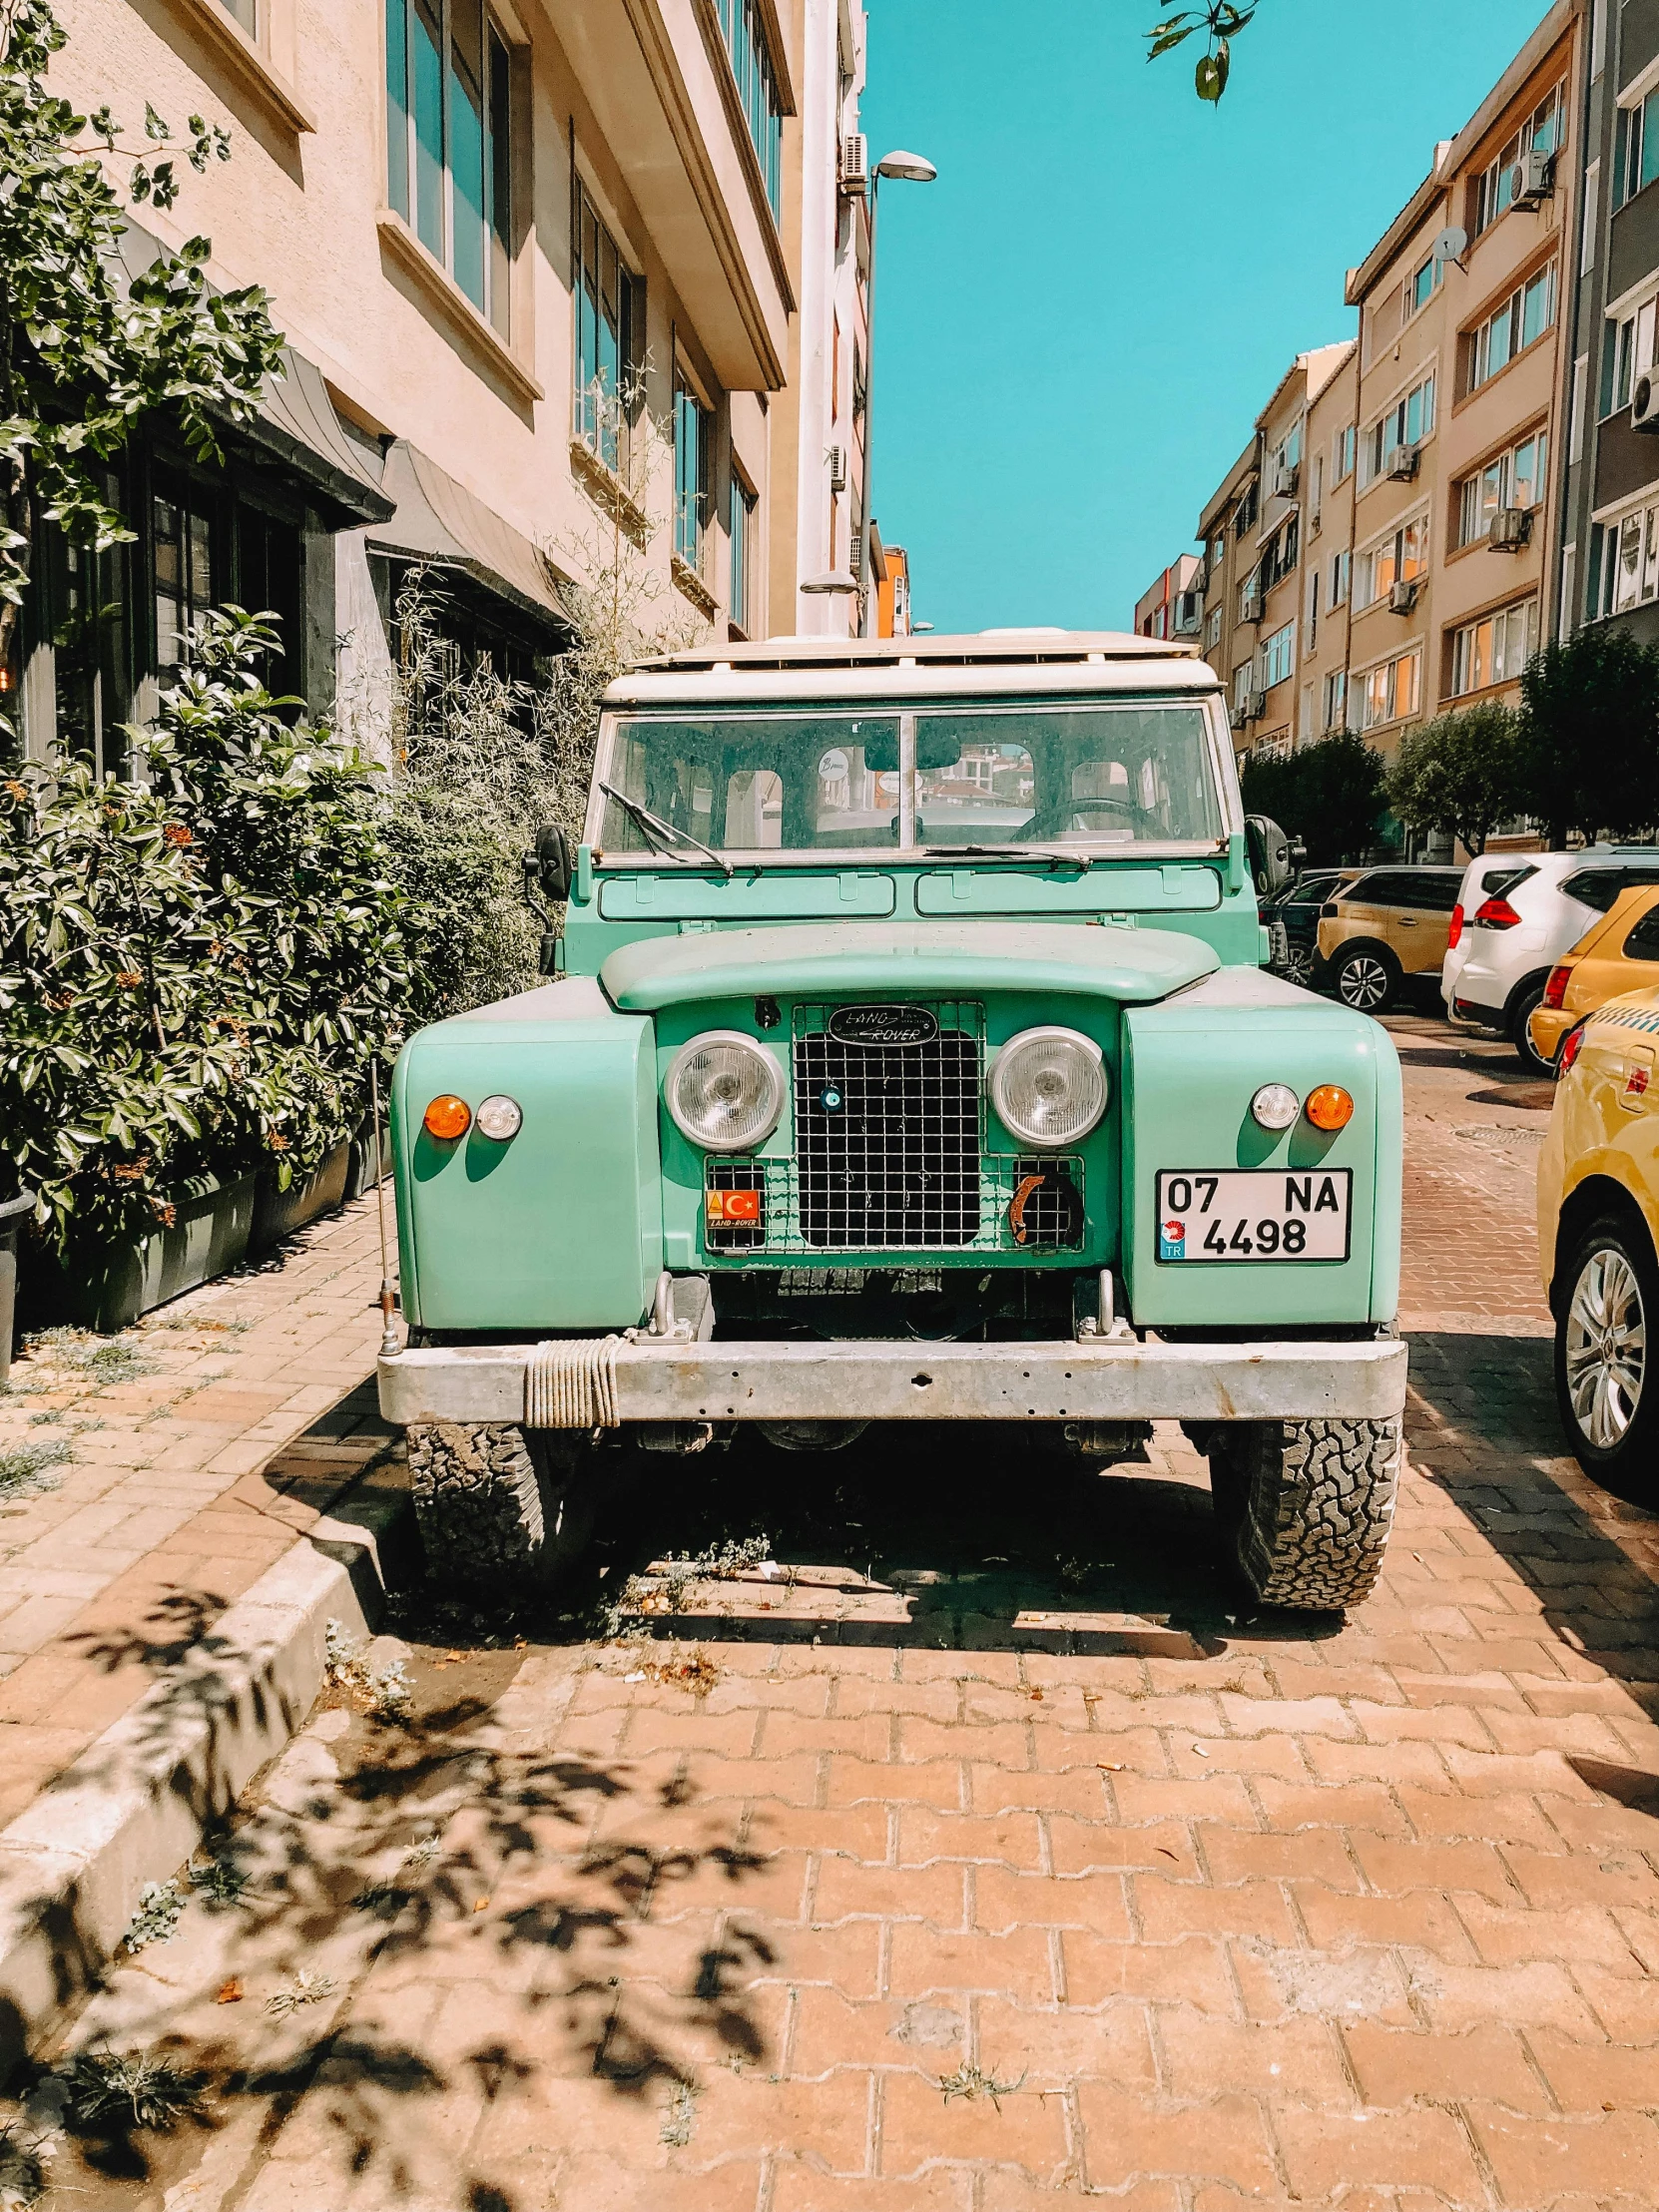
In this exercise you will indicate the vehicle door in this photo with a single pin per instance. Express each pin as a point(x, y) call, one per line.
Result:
point(1419, 922)
point(1620, 953)
point(1364, 908)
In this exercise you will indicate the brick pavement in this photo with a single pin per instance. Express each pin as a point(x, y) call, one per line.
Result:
point(199, 1443)
point(984, 1857)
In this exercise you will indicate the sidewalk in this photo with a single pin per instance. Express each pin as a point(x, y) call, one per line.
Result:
point(199, 1445)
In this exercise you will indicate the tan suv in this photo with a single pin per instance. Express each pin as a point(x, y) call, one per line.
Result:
point(1389, 927)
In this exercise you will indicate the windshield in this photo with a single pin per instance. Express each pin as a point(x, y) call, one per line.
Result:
point(1084, 776)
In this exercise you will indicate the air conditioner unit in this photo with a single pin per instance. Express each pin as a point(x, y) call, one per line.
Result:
point(855, 168)
point(1509, 529)
point(1256, 706)
point(1201, 580)
point(1249, 606)
point(1402, 464)
point(1404, 597)
point(1532, 180)
point(1283, 480)
point(1235, 720)
point(838, 467)
point(1644, 403)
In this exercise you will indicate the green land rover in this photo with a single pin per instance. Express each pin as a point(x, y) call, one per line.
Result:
point(906, 1055)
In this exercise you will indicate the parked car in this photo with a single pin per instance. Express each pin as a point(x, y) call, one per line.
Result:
point(1516, 915)
point(1598, 1219)
point(1296, 912)
point(1387, 927)
point(1616, 954)
point(814, 1130)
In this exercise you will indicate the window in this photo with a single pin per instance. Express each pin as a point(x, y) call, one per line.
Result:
point(1336, 699)
point(449, 140)
point(1635, 149)
point(1278, 656)
point(1344, 449)
point(1313, 610)
point(1318, 487)
point(1627, 352)
point(1496, 649)
point(1212, 630)
point(1390, 691)
point(1407, 422)
point(739, 523)
point(1624, 563)
point(1249, 597)
point(1643, 940)
point(1513, 480)
point(181, 540)
point(1396, 559)
point(1423, 284)
point(1280, 555)
point(1244, 521)
point(243, 12)
point(1523, 317)
point(1243, 683)
point(609, 306)
point(1342, 565)
point(1541, 133)
point(1598, 887)
point(743, 30)
point(692, 452)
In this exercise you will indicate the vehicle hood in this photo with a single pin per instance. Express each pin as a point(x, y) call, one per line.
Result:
point(903, 960)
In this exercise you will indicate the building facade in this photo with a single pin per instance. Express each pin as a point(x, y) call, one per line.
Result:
point(557, 277)
point(1173, 606)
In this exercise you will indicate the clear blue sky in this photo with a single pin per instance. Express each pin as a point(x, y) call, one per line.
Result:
point(1077, 324)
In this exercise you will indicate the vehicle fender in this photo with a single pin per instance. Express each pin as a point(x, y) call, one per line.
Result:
point(1533, 980)
point(560, 1227)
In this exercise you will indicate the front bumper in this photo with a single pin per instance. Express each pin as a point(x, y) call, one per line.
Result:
point(1109, 1378)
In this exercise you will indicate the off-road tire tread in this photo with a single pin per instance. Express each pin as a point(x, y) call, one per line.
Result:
point(1306, 1505)
point(482, 1506)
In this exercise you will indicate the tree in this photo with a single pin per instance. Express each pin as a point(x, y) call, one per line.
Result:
point(1462, 774)
point(1329, 794)
point(1219, 22)
point(80, 363)
point(1590, 734)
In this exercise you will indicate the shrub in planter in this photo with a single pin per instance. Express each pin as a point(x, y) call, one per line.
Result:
point(196, 967)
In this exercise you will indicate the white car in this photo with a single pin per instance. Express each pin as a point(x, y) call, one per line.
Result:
point(1517, 913)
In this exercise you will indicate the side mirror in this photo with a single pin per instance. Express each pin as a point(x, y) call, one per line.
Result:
point(551, 866)
point(1270, 854)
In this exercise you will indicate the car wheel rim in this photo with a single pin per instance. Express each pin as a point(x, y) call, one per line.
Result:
point(1364, 984)
point(1606, 1348)
point(1298, 966)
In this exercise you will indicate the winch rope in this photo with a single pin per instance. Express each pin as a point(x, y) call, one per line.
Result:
point(570, 1383)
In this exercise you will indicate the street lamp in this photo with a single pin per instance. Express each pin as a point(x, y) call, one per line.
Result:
point(909, 169)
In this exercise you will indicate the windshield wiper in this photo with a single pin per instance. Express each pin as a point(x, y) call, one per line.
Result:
point(1080, 860)
point(651, 823)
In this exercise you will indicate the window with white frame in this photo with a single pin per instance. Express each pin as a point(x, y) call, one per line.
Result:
point(1513, 479)
point(1623, 568)
point(1313, 610)
point(1243, 683)
point(1635, 148)
point(1279, 654)
point(1541, 133)
point(1627, 351)
point(1342, 565)
point(1407, 422)
point(1249, 596)
point(1336, 699)
point(1496, 649)
point(1397, 558)
point(1344, 450)
point(1282, 551)
point(1212, 629)
point(1391, 691)
point(1523, 319)
point(1423, 284)
point(449, 140)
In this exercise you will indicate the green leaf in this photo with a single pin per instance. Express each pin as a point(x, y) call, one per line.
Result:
point(1209, 77)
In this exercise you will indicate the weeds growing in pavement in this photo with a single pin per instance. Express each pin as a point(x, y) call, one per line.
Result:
point(305, 1988)
point(102, 1359)
point(668, 1589)
point(973, 2082)
point(388, 1695)
point(154, 2092)
point(221, 1882)
point(160, 1907)
point(681, 2116)
point(23, 1471)
point(25, 2153)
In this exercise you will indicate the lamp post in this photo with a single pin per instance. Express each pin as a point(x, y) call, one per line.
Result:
point(910, 169)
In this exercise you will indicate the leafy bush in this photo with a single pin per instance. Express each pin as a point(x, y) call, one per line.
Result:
point(1330, 795)
point(1462, 774)
point(196, 969)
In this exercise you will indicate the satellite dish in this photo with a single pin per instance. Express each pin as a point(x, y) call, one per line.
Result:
point(1451, 246)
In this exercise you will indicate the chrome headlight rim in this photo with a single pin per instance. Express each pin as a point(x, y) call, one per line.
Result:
point(752, 1138)
point(1004, 1068)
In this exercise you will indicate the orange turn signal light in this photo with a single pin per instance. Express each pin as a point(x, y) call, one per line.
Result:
point(1329, 1107)
point(448, 1118)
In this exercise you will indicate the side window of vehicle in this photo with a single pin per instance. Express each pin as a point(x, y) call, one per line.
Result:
point(1437, 894)
point(1374, 890)
point(1643, 941)
point(1596, 887)
point(1498, 882)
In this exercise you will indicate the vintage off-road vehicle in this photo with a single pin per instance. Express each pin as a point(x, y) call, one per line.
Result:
point(908, 1057)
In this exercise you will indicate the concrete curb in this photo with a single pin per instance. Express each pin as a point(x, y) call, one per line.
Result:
point(133, 1807)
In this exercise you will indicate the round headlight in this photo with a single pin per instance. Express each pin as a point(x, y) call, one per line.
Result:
point(1275, 1106)
point(1049, 1087)
point(725, 1091)
point(500, 1117)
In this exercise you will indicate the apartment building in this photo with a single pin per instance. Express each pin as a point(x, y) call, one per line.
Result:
point(498, 234)
point(1173, 605)
point(1609, 568)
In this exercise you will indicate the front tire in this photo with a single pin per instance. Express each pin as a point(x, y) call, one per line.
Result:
point(1303, 1508)
point(499, 1506)
point(1365, 977)
point(1608, 1400)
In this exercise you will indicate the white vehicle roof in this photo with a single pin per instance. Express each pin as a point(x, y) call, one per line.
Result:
point(1022, 663)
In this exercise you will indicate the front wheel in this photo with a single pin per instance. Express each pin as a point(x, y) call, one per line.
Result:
point(499, 1506)
point(1365, 977)
point(1303, 1508)
point(1609, 1406)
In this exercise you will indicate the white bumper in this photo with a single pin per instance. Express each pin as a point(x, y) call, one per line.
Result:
point(1109, 1379)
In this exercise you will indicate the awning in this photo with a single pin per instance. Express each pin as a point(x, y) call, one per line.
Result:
point(439, 521)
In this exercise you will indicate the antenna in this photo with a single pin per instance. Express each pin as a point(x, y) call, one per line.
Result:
point(1451, 244)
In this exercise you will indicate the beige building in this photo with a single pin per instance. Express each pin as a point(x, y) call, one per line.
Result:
point(494, 232)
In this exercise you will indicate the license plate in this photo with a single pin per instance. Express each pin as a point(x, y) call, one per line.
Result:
point(1254, 1213)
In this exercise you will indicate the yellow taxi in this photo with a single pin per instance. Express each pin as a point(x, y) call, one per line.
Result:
point(1619, 952)
point(1598, 1221)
